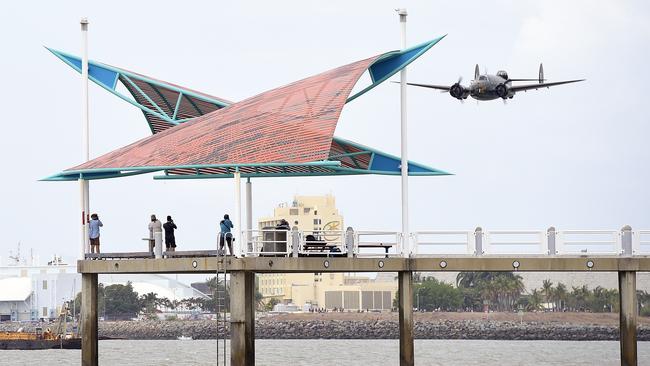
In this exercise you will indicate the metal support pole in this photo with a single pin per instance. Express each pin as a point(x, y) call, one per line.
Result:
point(626, 241)
point(242, 318)
point(85, 156)
point(478, 241)
point(87, 210)
point(349, 241)
point(82, 210)
point(551, 234)
point(295, 242)
point(237, 246)
point(249, 214)
point(406, 249)
point(627, 317)
point(405, 293)
point(89, 338)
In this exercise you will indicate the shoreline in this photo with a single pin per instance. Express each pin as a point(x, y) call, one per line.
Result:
point(498, 326)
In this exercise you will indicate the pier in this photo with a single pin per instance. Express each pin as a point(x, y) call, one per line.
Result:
point(242, 273)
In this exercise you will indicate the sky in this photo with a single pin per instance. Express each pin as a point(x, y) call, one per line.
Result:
point(575, 156)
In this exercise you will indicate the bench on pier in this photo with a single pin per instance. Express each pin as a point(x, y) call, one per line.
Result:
point(130, 255)
point(386, 246)
point(321, 247)
point(191, 253)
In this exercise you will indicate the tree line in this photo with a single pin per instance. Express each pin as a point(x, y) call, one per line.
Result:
point(122, 302)
point(505, 291)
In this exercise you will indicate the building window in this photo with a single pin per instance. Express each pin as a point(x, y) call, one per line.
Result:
point(306, 210)
point(44, 284)
point(317, 221)
point(293, 211)
point(45, 311)
point(315, 212)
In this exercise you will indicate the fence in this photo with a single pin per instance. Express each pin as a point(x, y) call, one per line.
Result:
point(352, 243)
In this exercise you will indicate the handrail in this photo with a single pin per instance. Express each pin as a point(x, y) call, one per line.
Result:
point(380, 243)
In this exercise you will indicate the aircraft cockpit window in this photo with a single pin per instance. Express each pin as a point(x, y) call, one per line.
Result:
point(502, 74)
point(482, 77)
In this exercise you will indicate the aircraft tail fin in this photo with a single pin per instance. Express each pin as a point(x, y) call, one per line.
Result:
point(476, 72)
point(541, 74)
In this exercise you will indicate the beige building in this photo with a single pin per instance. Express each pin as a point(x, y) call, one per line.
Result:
point(322, 290)
point(307, 213)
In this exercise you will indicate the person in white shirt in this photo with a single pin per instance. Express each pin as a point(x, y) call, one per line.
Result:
point(155, 226)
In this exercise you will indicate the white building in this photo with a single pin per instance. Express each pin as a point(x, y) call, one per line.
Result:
point(33, 291)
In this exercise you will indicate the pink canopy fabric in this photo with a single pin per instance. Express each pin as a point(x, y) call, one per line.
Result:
point(294, 123)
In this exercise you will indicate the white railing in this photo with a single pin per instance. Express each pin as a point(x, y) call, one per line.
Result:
point(280, 242)
point(641, 242)
point(377, 244)
point(515, 242)
point(267, 242)
point(444, 242)
point(589, 242)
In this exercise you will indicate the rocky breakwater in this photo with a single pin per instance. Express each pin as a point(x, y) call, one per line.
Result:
point(370, 329)
point(383, 326)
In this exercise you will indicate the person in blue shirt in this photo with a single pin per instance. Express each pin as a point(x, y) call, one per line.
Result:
point(224, 226)
point(93, 232)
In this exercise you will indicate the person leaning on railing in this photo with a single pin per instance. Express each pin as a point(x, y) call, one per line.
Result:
point(93, 232)
point(225, 235)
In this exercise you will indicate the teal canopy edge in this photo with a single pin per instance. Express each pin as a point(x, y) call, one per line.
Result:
point(107, 76)
point(392, 62)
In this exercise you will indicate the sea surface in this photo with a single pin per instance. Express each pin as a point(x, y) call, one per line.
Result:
point(342, 352)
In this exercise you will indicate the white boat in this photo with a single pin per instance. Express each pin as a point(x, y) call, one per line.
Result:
point(184, 338)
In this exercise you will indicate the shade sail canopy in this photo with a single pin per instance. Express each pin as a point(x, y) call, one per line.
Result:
point(287, 131)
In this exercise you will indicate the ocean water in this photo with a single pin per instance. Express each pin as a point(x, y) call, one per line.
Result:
point(342, 352)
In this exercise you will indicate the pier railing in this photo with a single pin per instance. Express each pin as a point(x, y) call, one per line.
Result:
point(431, 243)
point(477, 242)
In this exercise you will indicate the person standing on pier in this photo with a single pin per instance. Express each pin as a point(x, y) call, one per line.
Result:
point(93, 232)
point(225, 235)
point(155, 226)
point(170, 239)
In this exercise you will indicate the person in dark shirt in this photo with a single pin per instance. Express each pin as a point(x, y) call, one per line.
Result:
point(225, 236)
point(170, 239)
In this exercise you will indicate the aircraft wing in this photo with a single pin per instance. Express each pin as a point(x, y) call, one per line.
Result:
point(517, 88)
point(439, 87)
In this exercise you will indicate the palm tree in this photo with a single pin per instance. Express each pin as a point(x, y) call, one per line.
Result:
point(149, 301)
point(561, 295)
point(535, 300)
point(547, 289)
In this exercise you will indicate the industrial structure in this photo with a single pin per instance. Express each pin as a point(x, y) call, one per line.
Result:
point(30, 291)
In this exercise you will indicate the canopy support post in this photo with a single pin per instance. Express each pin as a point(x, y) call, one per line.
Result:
point(237, 245)
point(406, 243)
point(85, 140)
point(249, 214)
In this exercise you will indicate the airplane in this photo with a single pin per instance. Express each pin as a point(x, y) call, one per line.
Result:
point(490, 87)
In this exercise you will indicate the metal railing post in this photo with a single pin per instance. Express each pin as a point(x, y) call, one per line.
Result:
point(478, 241)
point(626, 241)
point(550, 241)
point(349, 241)
point(295, 242)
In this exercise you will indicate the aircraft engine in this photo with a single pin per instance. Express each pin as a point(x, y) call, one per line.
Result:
point(458, 91)
point(502, 91)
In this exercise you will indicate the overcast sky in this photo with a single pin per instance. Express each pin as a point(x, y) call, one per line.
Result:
point(575, 156)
